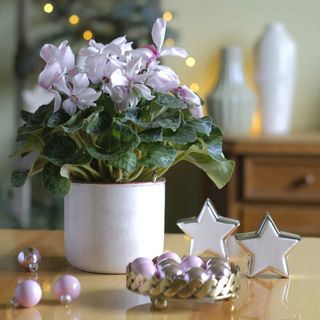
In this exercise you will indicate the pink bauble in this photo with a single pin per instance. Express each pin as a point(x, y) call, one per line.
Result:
point(141, 260)
point(29, 258)
point(143, 266)
point(189, 262)
point(67, 286)
point(28, 293)
point(171, 255)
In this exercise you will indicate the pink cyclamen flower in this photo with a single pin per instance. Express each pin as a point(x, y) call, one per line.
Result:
point(59, 60)
point(155, 51)
point(62, 54)
point(162, 78)
point(128, 85)
point(51, 74)
point(80, 96)
point(190, 99)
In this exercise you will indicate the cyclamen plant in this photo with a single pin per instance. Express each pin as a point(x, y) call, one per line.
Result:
point(119, 116)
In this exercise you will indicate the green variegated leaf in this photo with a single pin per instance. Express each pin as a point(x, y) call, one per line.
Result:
point(100, 154)
point(40, 117)
point(183, 135)
point(119, 138)
point(98, 123)
point(151, 135)
point(57, 118)
point(201, 125)
point(29, 144)
point(53, 181)
point(126, 162)
point(18, 178)
point(25, 115)
point(155, 155)
point(219, 171)
point(169, 101)
point(60, 149)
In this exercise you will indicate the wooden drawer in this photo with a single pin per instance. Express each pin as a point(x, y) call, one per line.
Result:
point(280, 179)
point(301, 220)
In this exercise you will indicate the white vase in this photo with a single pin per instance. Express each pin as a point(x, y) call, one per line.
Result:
point(109, 225)
point(232, 103)
point(275, 73)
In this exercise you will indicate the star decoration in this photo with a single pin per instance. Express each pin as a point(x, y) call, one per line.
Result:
point(268, 248)
point(208, 231)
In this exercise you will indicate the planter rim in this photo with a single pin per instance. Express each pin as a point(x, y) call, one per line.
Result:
point(161, 180)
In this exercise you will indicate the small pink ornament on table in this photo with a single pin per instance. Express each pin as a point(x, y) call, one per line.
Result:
point(29, 259)
point(67, 289)
point(27, 294)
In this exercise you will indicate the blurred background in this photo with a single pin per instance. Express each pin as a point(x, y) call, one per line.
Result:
point(203, 28)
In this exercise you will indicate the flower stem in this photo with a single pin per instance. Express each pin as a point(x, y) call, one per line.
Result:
point(111, 172)
point(136, 174)
point(120, 176)
point(93, 172)
point(79, 172)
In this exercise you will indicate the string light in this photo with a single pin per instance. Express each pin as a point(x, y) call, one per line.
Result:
point(74, 19)
point(194, 87)
point(190, 62)
point(167, 16)
point(48, 7)
point(169, 42)
point(87, 35)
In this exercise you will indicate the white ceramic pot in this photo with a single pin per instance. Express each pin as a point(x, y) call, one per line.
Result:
point(108, 225)
point(275, 72)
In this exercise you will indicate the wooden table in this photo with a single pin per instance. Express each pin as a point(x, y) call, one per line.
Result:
point(106, 296)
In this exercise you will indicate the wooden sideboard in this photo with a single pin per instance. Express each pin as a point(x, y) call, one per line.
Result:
point(278, 174)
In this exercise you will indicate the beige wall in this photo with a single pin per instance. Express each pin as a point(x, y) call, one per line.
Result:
point(207, 25)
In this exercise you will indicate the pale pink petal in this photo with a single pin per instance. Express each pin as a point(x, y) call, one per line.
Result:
point(133, 68)
point(197, 112)
point(50, 74)
point(47, 52)
point(118, 79)
point(144, 91)
point(164, 79)
point(188, 96)
point(88, 52)
point(158, 32)
point(88, 96)
point(61, 85)
point(174, 51)
point(80, 81)
point(120, 40)
point(69, 107)
point(143, 52)
point(57, 100)
point(67, 58)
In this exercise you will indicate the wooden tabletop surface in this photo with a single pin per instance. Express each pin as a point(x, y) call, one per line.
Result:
point(106, 296)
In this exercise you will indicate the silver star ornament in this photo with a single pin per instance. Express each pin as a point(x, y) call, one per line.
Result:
point(267, 248)
point(208, 231)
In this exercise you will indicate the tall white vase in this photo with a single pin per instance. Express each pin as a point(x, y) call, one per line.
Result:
point(275, 73)
point(109, 225)
point(232, 103)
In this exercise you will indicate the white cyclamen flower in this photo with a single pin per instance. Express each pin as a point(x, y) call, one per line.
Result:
point(79, 95)
point(128, 85)
point(156, 51)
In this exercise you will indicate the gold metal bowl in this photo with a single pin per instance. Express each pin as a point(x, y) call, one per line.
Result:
point(161, 289)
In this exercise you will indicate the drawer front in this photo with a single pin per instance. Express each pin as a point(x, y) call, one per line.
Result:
point(304, 221)
point(281, 179)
